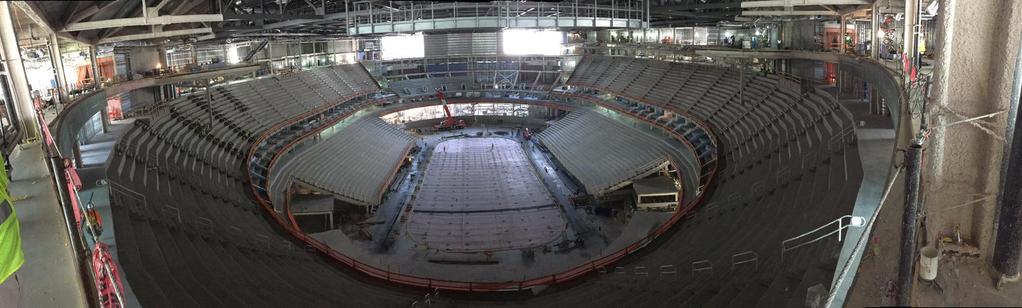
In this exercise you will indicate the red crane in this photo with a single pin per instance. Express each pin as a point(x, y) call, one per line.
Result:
point(448, 122)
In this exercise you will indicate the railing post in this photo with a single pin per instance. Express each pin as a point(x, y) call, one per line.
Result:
point(840, 222)
point(909, 225)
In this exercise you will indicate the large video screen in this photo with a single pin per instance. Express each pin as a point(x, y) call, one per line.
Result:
point(533, 42)
point(403, 46)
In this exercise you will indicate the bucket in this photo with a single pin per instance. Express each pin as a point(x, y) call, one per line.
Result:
point(928, 263)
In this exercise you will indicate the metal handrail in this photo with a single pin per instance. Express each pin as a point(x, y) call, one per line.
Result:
point(840, 227)
point(501, 9)
point(702, 265)
point(860, 245)
point(73, 185)
point(750, 257)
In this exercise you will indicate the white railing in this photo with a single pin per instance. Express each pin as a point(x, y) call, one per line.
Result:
point(841, 226)
point(702, 265)
point(743, 258)
point(860, 245)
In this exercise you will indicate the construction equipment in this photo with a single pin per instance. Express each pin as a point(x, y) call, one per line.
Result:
point(448, 122)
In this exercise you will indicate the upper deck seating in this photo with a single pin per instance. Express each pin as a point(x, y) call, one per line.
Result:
point(188, 234)
point(600, 152)
point(355, 163)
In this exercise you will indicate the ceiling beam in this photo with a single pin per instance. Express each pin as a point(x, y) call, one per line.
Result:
point(142, 21)
point(693, 15)
point(154, 35)
point(700, 6)
point(793, 3)
point(160, 5)
point(186, 7)
point(29, 10)
point(89, 11)
point(260, 16)
point(789, 13)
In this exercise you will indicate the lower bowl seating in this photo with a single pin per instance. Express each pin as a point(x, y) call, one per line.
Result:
point(189, 235)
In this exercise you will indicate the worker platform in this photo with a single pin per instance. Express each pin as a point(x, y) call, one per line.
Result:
point(483, 194)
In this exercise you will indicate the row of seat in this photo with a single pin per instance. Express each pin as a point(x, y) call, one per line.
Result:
point(356, 162)
point(188, 234)
point(601, 152)
point(752, 114)
point(795, 186)
point(427, 86)
point(191, 237)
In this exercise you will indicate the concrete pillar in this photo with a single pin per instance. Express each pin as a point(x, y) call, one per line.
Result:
point(94, 66)
point(971, 78)
point(874, 42)
point(16, 71)
point(843, 32)
point(58, 67)
point(911, 10)
point(105, 118)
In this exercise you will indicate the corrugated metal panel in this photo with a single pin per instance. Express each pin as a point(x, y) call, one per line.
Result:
point(485, 43)
point(461, 44)
point(435, 44)
point(713, 35)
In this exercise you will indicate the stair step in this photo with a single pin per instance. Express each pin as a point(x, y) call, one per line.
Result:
point(779, 291)
point(700, 297)
point(722, 297)
point(813, 276)
point(750, 293)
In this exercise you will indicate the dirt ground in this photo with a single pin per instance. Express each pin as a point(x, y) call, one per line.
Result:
point(961, 280)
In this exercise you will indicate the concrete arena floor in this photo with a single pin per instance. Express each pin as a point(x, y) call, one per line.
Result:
point(482, 195)
point(406, 256)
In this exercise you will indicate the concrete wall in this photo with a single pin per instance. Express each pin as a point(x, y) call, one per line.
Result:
point(142, 97)
point(979, 42)
point(799, 35)
point(66, 126)
point(144, 59)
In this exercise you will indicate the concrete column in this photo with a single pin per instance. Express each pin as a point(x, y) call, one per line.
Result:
point(58, 67)
point(163, 56)
point(16, 71)
point(843, 32)
point(94, 66)
point(874, 41)
point(105, 118)
point(911, 10)
point(972, 77)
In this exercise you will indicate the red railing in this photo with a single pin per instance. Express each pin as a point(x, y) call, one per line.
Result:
point(452, 285)
point(104, 271)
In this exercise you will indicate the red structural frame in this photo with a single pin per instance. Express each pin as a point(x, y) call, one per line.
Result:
point(285, 221)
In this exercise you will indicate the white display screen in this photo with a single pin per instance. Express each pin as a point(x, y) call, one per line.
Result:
point(403, 46)
point(533, 42)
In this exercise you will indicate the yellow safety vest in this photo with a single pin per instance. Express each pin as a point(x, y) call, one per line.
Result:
point(11, 256)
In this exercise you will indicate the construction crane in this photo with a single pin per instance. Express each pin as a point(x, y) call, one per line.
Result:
point(448, 122)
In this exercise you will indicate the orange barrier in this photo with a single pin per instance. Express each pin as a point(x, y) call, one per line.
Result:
point(105, 274)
